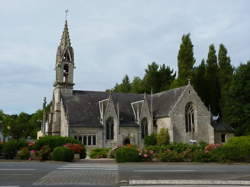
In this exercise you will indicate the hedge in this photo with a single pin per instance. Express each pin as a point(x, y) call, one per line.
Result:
point(127, 154)
point(99, 153)
point(54, 141)
point(11, 147)
point(63, 154)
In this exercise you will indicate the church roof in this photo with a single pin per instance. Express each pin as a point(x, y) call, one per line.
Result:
point(163, 102)
point(82, 107)
point(220, 126)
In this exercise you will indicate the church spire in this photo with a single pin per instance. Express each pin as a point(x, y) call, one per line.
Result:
point(65, 40)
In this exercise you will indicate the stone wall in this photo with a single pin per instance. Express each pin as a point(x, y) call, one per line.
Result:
point(203, 129)
point(165, 123)
point(131, 133)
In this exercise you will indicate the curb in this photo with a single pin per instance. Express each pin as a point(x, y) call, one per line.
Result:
point(192, 182)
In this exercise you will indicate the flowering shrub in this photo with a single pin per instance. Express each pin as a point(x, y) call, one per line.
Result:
point(146, 155)
point(24, 153)
point(76, 148)
point(31, 145)
point(44, 153)
point(170, 156)
point(211, 147)
point(34, 155)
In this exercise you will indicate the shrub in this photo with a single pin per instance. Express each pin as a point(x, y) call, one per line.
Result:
point(170, 156)
point(24, 153)
point(63, 154)
point(54, 141)
point(1, 147)
point(11, 147)
point(163, 137)
point(211, 147)
point(99, 153)
point(127, 154)
point(146, 155)
point(150, 140)
point(237, 149)
point(77, 148)
point(34, 155)
point(44, 153)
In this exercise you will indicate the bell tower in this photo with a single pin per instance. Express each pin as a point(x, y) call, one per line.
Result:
point(64, 79)
point(64, 63)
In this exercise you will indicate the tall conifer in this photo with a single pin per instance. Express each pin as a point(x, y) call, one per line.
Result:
point(186, 60)
point(213, 88)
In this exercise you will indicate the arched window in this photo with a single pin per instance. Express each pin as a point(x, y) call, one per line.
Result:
point(189, 118)
point(65, 72)
point(110, 129)
point(144, 128)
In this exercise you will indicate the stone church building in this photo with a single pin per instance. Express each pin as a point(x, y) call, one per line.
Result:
point(104, 119)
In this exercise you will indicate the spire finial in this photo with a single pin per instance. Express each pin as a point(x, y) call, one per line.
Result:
point(66, 14)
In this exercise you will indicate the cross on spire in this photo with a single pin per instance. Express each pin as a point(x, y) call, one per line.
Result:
point(66, 13)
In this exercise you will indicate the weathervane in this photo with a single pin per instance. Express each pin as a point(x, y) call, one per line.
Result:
point(66, 13)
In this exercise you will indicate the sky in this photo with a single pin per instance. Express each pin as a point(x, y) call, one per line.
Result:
point(110, 38)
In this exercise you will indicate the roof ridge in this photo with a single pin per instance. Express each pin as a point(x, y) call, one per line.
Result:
point(165, 91)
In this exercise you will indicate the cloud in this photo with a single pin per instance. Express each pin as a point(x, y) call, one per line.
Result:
point(110, 39)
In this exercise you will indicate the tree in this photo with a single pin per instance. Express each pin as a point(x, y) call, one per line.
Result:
point(166, 77)
point(237, 102)
point(199, 81)
point(151, 78)
point(225, 74)
point(186, 61)
point(137, 85)
point(213, 88)
point(124, 87)
point(158, 78)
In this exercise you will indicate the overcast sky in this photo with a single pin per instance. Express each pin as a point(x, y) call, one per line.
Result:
point(110, 38)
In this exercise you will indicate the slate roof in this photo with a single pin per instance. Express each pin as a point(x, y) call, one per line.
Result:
point(82, 107)
point(220, 126)
point(163, 102)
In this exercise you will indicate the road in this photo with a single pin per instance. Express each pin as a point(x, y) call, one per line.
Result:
point(108, 173)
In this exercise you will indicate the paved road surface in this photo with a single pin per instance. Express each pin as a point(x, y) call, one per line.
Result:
point(86, 173)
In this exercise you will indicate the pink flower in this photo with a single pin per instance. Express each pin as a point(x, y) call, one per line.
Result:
point(145, 155)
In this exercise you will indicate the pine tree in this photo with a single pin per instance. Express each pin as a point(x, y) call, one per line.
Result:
point(186, 61)
point(124, 87)
point(213, 88)
point(199, 82)
point(225, 74)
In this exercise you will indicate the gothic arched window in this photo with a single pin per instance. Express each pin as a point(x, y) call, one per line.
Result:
point(65, 72)
point(144, 128)
point(110, 129)
point(189, 118)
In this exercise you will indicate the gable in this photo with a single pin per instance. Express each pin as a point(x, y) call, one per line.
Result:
point(163, 102)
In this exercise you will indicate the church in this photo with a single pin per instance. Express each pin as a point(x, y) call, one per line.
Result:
point(102, 119)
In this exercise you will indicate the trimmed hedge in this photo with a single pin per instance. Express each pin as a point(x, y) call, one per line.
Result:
point(127, 154)
point(63, 154)
point(54, 141)
point(99, 153)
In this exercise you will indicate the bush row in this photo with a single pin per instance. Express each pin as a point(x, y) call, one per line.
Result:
point(43, 149)
point(237, 149)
